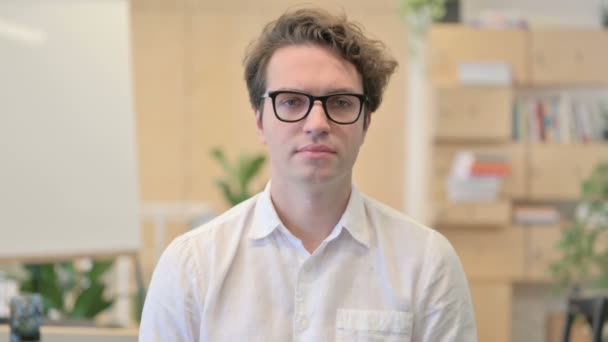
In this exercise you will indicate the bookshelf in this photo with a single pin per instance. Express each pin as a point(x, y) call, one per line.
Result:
point(552, 71)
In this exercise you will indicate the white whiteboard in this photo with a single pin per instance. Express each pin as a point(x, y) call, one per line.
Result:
point(68, 177)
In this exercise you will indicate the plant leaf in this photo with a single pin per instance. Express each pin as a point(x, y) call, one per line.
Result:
point(99, 268)
point(90, 302)
point(242, 165)
point(227, 191)
point(235, 186)
point(68, 278)
point(50, 289)
point(138, 303)
point(252, 168)
point(218, 155)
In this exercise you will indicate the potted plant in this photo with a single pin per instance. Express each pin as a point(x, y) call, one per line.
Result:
point(420, 14)
point(584, 243)
point(238, 176)
point(71, 291)
point(582, 269)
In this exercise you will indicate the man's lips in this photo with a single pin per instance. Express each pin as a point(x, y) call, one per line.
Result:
point(316, 148)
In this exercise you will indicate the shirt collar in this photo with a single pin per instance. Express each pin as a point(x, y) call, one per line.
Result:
point(354, 218)
point(265, 217)
point(266, 220)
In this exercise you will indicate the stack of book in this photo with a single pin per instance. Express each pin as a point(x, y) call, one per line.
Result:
point(560, 119)
point(536, 215)
point(477, 177)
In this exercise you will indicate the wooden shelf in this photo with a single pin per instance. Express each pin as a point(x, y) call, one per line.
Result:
point(451, 45)
point(556, 171)
point(495, 253)
point(473, 215)
point(462, 110)
point(490, 254)
point(568, 57)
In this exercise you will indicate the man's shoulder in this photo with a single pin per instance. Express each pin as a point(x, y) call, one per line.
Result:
point(390, 218)
point(399, 229)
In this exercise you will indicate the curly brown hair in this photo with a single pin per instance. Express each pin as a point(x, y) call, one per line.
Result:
point(317, 26)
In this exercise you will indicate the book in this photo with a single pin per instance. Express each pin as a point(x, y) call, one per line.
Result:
point(490, 169)
point(540, 120)
point(563, 112)
point(485, 73)
point(536, 215)
point(478, 189)
point(477, 177)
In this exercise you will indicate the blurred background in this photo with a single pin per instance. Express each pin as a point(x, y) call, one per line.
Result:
point(127, 123)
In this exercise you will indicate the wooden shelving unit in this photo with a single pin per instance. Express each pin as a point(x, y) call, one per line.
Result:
point(495, 252)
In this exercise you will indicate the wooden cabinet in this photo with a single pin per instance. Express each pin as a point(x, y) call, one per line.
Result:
point(590, 156)
point(557, 171)
point(489, 254)
point(471, 215)
point(462, 111)
point(492, 302)
point(547, 57)
point(540, 251)
point(495, 254)
point(451, 45)
point(568, 57)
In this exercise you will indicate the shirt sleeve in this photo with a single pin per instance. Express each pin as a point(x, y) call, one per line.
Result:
point(445, 312)
point(171, 312)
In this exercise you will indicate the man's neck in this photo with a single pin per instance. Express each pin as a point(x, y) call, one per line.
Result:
point(310, 213)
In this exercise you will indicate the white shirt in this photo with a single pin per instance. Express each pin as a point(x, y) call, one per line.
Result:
point(378, 276)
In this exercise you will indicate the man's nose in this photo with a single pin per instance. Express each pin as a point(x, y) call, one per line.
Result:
point(317, 121)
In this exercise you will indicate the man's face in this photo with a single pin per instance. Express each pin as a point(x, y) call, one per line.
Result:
point(315, 149)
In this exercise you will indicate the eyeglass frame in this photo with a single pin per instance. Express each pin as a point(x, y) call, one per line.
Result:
point(363, 99)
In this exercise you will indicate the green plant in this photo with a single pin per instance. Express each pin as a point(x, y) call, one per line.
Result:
point(584, 244)
point(436, 8)
point(73, 293)
point(138, 301)
point(419, 14)
point(238, 177)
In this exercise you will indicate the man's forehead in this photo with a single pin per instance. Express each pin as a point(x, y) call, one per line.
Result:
point(311, 68)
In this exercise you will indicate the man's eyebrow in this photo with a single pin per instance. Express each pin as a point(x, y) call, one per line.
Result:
point(331, 91)
point(342, 90)
point(290, 89)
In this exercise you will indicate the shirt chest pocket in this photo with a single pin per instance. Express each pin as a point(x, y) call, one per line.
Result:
point(373, 326)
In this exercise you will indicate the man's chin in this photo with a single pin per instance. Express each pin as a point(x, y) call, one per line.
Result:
point(319, 176)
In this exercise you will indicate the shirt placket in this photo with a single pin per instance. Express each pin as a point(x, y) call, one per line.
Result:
point(302, 301)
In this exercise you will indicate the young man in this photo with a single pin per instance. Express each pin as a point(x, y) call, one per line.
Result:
point(311, 258)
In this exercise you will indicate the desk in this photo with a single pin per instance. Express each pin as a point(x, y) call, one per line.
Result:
point(79, 334)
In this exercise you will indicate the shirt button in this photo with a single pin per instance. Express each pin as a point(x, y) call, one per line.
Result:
point(303, 324)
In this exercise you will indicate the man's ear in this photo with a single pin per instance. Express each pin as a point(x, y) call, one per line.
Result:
point(367, 121)
point(259, 125)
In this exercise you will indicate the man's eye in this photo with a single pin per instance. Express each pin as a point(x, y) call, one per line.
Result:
point(291, 102)
point(341, 102)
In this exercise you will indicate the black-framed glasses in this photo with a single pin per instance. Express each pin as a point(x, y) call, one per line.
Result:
point(341, 108)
